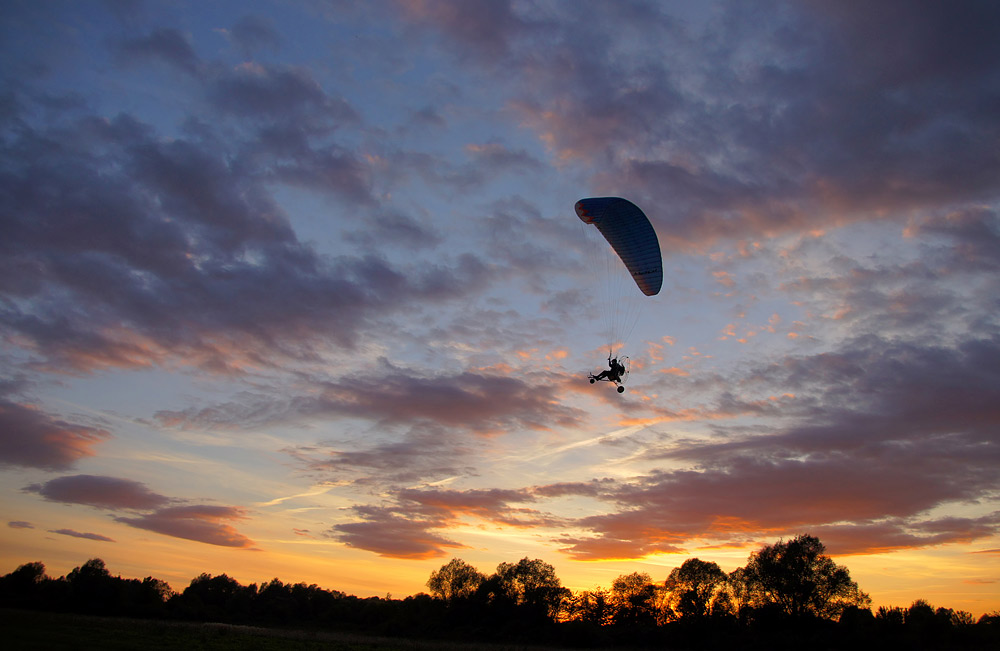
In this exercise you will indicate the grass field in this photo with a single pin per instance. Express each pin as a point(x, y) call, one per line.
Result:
point(30, 630)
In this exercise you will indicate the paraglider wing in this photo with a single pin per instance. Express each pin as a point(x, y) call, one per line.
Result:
point(630, 234)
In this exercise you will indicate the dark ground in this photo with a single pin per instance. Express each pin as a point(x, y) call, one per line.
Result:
point(25, 630)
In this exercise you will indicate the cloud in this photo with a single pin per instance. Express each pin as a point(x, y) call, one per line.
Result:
point(902, 431)
point(126, 250)
point(415, 513)
point(98, 491)
point(974, 234)
point(894, 534)
point(290, 119)
point(198, 522)
point(496, 158)
point(424, 452)
point(407, 527)
point(916, 117)
point(481, 165)
point(747, 499)
point(483, 403)
point(285, 94)
point(926, 42)
point(329, 169)
point(34, 439)
point(878, 391)
point(201, 523)
point(483, 29)
point(492, 504)
point(166, 45)
point(77, 534)
point(205, 267)
point(252, 33)
point(20, 524)
point(426, 117)
point(468, 401)
point(521, 238)
point(384, 532)
point(394, 229)
point(726, 129)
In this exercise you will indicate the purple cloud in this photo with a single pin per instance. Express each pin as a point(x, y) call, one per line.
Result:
point(33, 439)
point(395, 229)
point(415, 523)
point(394, 396)
point(386, 533)
point(201, 523)
point(101, 492)
point(483, 29)
point(266, 92)
point(425, 451)
point(903, 431)
point(974, 235)
point(252, 33)
point(769, 126)
point(173, 250)
point(166, 45)
point(20, 524)
point(77, 534)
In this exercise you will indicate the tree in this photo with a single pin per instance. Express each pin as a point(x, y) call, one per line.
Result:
point(25, 578)
point(146, 598)
point(92, 570)
point(960, 617)
point(92, 588)
point(156, 590)
point(739, 592)
point(274, 601)
point(924, 619)
point(590, 606)
point(23, 586)
point(217, 597)
point(634, 599)
point(989, 619)
point(696, 589)
point(455, 580)
point(531, 583)
point(801, 580)
point(891, 616)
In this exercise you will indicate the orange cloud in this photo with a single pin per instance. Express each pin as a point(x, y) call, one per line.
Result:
point(561, 353)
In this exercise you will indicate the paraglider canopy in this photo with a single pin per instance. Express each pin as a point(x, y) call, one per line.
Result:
point(630, 234)
point(633, 244)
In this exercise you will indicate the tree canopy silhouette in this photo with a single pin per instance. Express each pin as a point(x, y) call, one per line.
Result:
point(529, 583)
point(799, 578)
point(696, 589)
point(787, 586)
point(634, 599)
point(455, 580)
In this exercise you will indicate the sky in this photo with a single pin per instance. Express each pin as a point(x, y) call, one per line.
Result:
point(297, 289)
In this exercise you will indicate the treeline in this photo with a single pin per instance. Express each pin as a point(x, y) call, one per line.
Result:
point(788, 594)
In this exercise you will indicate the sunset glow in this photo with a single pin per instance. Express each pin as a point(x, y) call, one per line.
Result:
point(297, 290)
